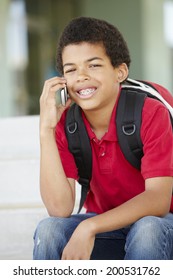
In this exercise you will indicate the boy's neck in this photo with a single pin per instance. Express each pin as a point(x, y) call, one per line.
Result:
point(99, 120)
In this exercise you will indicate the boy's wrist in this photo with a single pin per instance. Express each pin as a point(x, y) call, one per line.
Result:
point(90, 226)
point(47, 133)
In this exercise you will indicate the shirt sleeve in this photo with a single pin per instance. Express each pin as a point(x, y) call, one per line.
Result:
point(157, 138)
point(67, 158)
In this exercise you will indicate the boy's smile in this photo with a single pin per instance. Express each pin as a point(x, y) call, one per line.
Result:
point(92, 81)
point(86, 92)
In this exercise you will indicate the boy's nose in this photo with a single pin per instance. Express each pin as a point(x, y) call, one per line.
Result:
point(83, 75)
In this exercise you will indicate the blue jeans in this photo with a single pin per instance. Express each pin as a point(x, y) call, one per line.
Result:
point(150, 238)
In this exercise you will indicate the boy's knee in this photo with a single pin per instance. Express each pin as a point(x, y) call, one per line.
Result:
point(48, 239)
point(148, 226)
point(145, 233)
point(146, 239)
point(47, 229)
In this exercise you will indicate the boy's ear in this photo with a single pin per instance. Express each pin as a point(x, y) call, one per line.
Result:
point(123, 72)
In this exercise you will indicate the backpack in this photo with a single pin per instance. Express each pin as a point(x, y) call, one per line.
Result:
point(128, 123)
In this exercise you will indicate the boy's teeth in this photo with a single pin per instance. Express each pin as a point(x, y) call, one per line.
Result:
point(86, 91)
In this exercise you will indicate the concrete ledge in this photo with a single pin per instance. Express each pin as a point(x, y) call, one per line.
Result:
point(16, 234)
point(21, 207)
point(19, 138)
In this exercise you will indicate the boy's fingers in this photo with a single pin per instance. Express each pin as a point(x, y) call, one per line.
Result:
point(52, 85)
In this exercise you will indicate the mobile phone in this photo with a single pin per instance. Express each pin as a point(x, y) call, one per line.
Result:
point(63, 95)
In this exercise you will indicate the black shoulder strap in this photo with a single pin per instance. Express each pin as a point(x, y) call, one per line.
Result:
point(128, 124)
point(79, 146)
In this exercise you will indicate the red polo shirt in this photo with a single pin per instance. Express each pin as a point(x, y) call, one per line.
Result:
point(114, 180)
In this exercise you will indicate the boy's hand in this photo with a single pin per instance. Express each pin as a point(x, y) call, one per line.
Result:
point(50, 113)
point(80, 245)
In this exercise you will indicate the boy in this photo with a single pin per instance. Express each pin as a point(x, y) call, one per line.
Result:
point(128, 212)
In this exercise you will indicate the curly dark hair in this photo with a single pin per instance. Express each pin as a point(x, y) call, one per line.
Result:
point(92, 30)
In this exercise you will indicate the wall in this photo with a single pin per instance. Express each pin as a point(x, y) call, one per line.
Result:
point(156, 58)
point(6, 102)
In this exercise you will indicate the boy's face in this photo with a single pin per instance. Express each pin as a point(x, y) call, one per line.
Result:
point(92, 81)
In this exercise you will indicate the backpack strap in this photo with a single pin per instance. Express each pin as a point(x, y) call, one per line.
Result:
point(149, 89)
point(79, 146)
point(128, 124)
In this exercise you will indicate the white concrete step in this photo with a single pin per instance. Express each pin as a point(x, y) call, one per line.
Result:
point(21, 207)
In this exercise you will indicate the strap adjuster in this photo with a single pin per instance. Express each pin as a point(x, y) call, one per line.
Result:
point(72, 127)
point(129, 129)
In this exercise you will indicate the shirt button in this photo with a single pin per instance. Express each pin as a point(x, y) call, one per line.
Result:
point(103, 154)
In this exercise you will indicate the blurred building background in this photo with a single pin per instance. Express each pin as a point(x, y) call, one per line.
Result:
point(29, 30)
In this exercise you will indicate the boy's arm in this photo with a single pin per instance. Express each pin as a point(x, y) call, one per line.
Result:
point(57, 191)
point(154, 201)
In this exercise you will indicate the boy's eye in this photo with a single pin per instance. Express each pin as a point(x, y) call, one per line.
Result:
point(95, 65)
point(69, 70)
